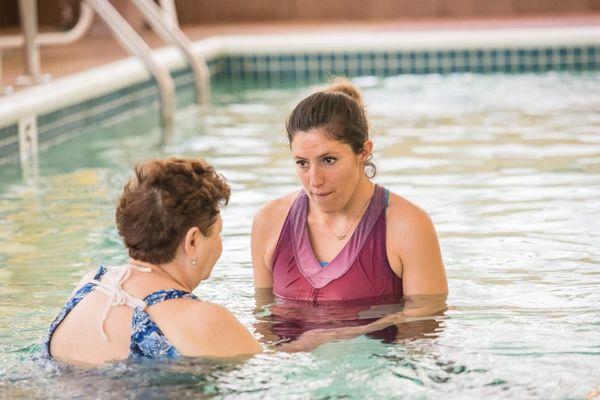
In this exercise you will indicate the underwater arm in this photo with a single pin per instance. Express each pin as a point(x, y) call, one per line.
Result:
point(416, 308)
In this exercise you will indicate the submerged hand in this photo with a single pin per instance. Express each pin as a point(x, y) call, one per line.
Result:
point(312, 339)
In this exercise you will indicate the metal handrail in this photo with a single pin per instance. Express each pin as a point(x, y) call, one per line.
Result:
point(162, 19)
point(170, 33)
point(168, 6)
point(133, 43)
point(86, 17)
point(31, 51)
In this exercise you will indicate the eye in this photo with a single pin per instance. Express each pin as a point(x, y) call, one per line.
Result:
point(302, 163)
point(329, 160)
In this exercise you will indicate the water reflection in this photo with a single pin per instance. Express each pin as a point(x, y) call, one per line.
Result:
point(302, 326)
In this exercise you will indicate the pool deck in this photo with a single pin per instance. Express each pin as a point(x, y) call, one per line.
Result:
point(93, 51)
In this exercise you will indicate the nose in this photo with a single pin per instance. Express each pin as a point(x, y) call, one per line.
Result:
point(316, 177)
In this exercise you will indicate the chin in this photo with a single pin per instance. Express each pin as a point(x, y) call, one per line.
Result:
point(326, 205)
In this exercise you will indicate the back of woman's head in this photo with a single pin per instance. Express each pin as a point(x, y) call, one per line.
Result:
point(163, 201)
point(339, 111)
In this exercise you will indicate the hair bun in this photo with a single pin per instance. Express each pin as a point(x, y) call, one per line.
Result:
point(343, 85)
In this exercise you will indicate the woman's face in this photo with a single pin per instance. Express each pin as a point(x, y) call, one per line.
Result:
point(210, 248)
point(328, 169)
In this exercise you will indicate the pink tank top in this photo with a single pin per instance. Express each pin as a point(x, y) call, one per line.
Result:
point(360, 271)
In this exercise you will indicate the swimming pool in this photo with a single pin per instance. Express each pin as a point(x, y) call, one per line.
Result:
point(507, 165)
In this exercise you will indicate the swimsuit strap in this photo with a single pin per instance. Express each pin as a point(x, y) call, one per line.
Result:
point(113, 289)
point(168, 294)
point(387, 197)
point(100, 273)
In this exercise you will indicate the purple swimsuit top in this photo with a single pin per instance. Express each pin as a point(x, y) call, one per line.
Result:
point(360, 270)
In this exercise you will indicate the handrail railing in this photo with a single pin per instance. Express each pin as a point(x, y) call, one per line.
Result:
point(162, 19)
point(168, 7)
point(170, 33)
point(86, 17)
point(133, 43)
point(31, 51)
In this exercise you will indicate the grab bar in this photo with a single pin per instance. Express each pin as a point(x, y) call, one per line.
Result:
point(170, 33)
point(86, 17)
point(31, 51)
point(170, 12)
point(133, 43)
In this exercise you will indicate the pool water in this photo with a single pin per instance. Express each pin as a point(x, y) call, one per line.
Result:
point(508, 166)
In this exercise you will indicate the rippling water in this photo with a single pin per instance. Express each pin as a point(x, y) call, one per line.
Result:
point(508, 166)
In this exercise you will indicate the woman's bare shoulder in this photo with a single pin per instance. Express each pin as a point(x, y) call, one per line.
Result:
point(88, 276)
point(279, 205)
point(402, 208)
point(274, 211)
point(209, 329)
point(403, 217)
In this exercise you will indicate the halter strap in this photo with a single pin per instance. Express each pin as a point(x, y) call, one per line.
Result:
point(113, 288)
point(168, 294)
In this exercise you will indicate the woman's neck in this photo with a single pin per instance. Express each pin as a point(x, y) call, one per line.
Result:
point(361, 196)
point(167, 271)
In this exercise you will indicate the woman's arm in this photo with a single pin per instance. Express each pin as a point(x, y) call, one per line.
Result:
point(263, 278)
point(416, 308)
point(413, 249)
point(206, 329)
point(266, 229)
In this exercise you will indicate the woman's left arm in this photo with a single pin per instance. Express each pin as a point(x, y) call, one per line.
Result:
point(413, 249)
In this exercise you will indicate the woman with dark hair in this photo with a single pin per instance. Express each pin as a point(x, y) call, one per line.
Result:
point(168, 216)
point(343, 237)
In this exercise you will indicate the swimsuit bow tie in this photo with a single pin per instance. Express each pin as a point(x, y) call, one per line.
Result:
point(117, 296)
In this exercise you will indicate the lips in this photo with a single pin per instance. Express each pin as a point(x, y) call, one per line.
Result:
point(321, 195)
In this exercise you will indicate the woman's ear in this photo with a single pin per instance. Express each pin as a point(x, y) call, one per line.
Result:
point(367, 151)
point(191, 241)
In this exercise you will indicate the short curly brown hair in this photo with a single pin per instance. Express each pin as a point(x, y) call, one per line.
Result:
point(163, 201)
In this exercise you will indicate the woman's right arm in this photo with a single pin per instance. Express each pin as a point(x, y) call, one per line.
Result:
point(263, 278)
point(266, 229)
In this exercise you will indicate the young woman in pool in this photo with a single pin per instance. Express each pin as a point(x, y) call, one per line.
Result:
point(343, 237)
point(168, 216)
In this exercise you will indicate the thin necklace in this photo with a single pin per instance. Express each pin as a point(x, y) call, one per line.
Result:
point(354, 220)
point(160, 271)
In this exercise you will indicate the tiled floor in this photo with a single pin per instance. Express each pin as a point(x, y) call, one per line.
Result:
point(93, 51)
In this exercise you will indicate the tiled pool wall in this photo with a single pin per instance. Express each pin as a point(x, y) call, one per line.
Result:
point(281, 68)
point(59, 125)
point(291, 69)
point(9, 142)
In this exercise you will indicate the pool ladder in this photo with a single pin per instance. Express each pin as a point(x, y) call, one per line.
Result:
point(162, 19)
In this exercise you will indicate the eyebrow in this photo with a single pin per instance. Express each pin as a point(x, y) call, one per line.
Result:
point(328, 154)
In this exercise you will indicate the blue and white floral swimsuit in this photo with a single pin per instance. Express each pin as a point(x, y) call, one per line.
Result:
point(147, 340)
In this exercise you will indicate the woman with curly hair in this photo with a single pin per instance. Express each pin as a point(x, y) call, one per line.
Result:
point(168, 217)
